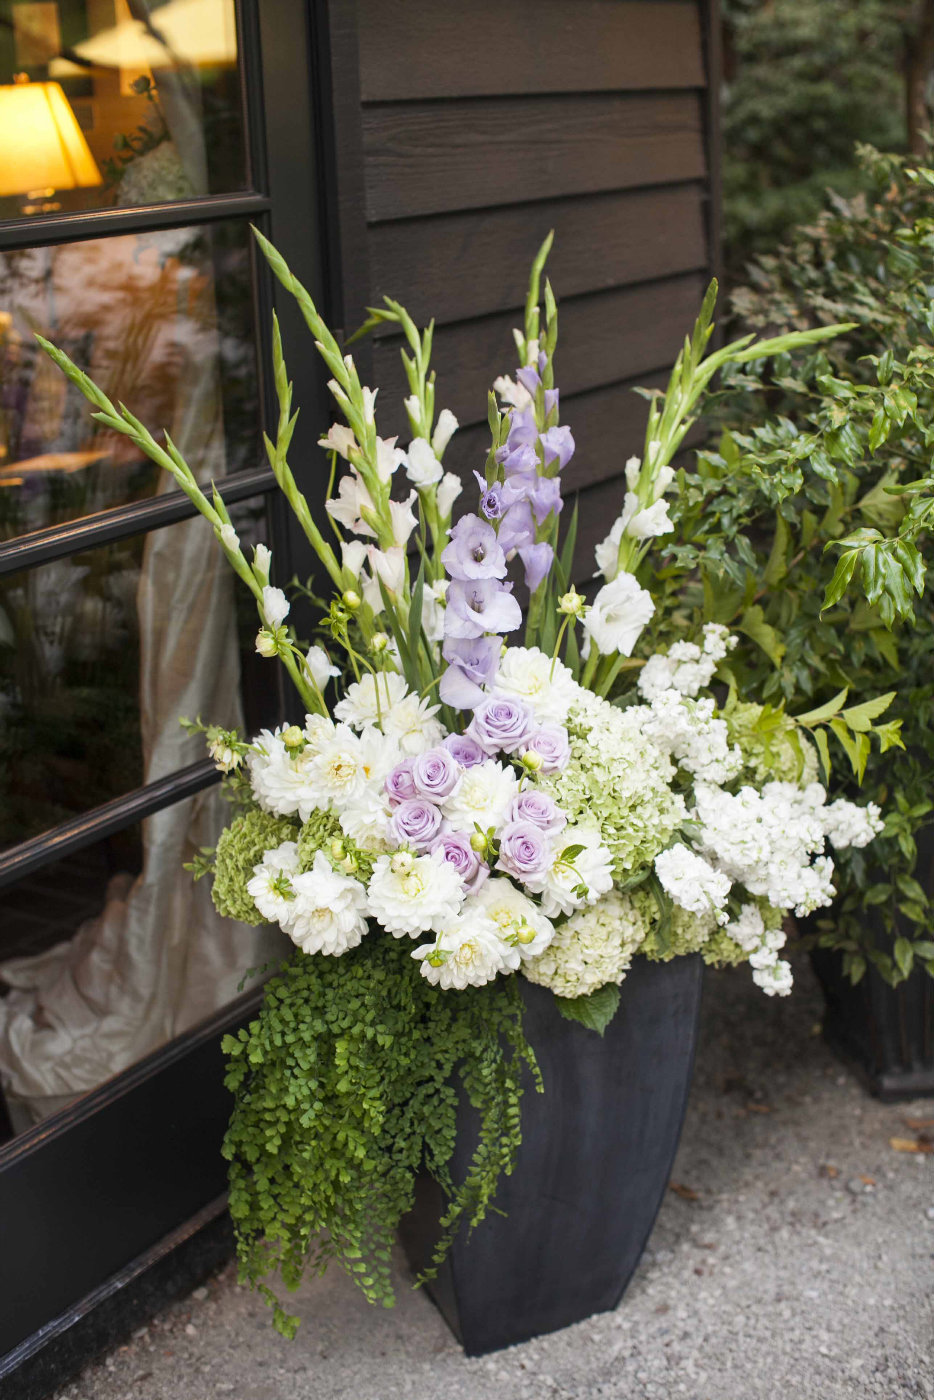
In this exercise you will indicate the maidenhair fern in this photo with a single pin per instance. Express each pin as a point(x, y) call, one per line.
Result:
point(346, 1086)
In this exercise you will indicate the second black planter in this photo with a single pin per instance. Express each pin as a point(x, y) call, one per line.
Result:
point(597, 1150)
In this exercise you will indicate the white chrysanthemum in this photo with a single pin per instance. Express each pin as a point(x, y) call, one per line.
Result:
point(521, 923)
point(467, 952)
point(485, 792)
point(593, 947)
point(411, 894)
point(369, 700)
point(692, 883)
point(271, 888)
point(328, 913)
point(412, 724)
point(848, 824)
point(544, 683)
point(580, 879)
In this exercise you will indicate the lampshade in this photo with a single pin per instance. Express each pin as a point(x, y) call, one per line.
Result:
point(191, 31)
point(42, 146)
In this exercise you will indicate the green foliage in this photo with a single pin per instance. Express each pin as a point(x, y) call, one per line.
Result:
point(805, 80)
point(755, 522)
point(344, 1090)
point(595, 1011)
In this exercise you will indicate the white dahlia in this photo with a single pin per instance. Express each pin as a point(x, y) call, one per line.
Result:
point(328, 914)
point(467, 952)
point(484, 794)
point(411, 894)
point(544, 683)
point(521, 923)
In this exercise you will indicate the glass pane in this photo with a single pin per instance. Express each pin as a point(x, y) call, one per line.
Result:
point(102, 652)
point(163, 322)
point(117, 102)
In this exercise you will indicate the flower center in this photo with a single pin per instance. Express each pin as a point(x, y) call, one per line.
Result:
point(466, 953)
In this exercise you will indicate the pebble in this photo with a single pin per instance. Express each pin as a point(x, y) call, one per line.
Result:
point(200, 1294)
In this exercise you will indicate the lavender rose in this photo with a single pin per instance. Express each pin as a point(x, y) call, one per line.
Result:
point(524, 850)
point(466, 750)
point(538, 808)
point(551, 743)
point(436, 774)
point(456, 849)
point(415, 823)
point(400, 785)
point(501, 723)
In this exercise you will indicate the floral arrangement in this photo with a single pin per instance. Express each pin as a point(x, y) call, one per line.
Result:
point(468, 808)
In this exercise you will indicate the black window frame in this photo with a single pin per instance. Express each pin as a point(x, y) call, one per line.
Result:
point(174, 1099)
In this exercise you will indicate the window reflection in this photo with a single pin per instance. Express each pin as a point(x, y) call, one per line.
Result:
point(117, 102)
point(164, 322)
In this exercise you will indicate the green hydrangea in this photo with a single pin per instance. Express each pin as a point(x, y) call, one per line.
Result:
point(772, 746)
point(721, 950)
point(619, 779)
point(322, 832)
point(240, 848)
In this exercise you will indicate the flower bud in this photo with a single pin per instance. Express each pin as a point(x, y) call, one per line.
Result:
point(525, 933)
point(532, 760)
point(571, 603)
point(293, 737)
point(337, 848)
point(402, 862)
point(228, 537)
point(478, 842)
point(379, 642)
point(351, 600)
point(266, 643)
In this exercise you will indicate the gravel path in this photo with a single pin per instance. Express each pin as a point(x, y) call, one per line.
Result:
point(794, 1254)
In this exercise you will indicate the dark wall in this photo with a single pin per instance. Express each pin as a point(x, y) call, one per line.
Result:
point(477, 125)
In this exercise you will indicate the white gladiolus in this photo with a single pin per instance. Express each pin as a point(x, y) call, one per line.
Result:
point(403, 521)
point(228, 537)
point(389, 458)
point(275, 607)
point(339, 439)
point(369, 403)
point(619, 613)
point(347, 506)
point(353, 556)
point(421, 465)
point(513, 394)
point(449, 488)
point(445, 428)
point(262, 563)
point(652, 521)
point(389, 565)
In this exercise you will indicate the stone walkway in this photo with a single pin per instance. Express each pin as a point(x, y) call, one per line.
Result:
point(794, 1256)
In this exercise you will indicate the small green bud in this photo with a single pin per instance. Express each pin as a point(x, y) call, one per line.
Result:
point(571, 604)
point(338, 850)
point(478, 842)
point(379, 643)
point(532, 760)
point(351, 600)
point(525, 933)
point(293, 737)
point(266, 643)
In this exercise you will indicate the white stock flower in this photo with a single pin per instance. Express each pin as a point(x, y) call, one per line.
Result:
point(467, 952)
point(775, 981)
point(449, 488)
point(317, 666)
point(485, 792)
point(275, 607)
point(520, 922)
point(692, 883)
point(445, 428)
point(346, 507)
point(693, 735)
point(580, 879)
point(848, 824)
point(410, 894)
point(328, 914)
point(747, 929)
point(421, 465)
point(618, 614)
point(389, 458)
point(686, 667)
point(545, 684)
point(340, 439)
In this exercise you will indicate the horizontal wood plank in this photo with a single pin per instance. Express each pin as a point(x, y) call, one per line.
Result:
point(461, 265)
point(438, 48)
point(426, 158)
point(604, 338)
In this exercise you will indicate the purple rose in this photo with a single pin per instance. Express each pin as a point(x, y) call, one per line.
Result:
point(456, 849)
point(436, 774)
point(558, 442)
point(482, 605)
point(399, 785)
point(537, 559)
point(474, 551)
point(524, 850)
point(415, 823)
point(536, 807)
point(466, 750)
point(551, 743)
point(501, 723)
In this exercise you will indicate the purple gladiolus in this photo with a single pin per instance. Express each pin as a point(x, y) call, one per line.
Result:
point(474, 551)
point(491, 498)
point(520, 460)
point(551, 743)
point(558, 442)
point(400, 785)
point(456, 849)
point(537, 559)
point(415, 823)
point(517, 529)
point(524, 850)
point(501, 723)
point(529, 378)
point(436, 773)
point(551, 401)
point(545, 497)
point(522, 428)
point(481, 605)
point(539, 808)
point(466, 750)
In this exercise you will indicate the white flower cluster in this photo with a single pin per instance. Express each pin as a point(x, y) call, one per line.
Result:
point(762, 945)
point(592, 948)
point(695, 738)
point(687, 667)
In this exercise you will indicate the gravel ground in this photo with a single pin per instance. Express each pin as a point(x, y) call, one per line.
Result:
point(794, 1253)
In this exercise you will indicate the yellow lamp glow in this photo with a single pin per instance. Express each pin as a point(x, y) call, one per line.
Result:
point(42, 147)
point(190, 31)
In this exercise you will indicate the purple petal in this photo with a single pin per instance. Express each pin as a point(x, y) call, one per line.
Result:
point(458, 690)
point(537, 559)
point(516, 529)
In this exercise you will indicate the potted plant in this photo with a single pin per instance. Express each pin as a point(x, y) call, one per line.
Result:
point(458, 809)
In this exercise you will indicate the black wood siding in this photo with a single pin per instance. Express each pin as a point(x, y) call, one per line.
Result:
point(471, 127)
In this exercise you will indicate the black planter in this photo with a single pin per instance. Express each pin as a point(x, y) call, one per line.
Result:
point(597, 1150)
point(886, 1033)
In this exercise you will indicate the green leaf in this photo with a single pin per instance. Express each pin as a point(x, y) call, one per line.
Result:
point(860, 717)
point(841, 578)
point(753, 623)
point(823, 748)
point(777, 565)
point(904, 956)
point(595, 1011)
point(823, 712)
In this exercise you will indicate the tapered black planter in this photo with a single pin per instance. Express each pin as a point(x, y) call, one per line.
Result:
point(886, 1033)
point(597, 1150)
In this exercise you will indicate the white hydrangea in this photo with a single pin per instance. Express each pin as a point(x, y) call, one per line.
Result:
point(687, 667)
point(695, 738)
point(591, 948)
point(520, 921)
point(410, 894)
point(544, 683)
point(692, 883)
point(328, 914)
point(271, 886)
point(481, 799)
point(848, 824)
point(467, 952)
point(581, 879)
